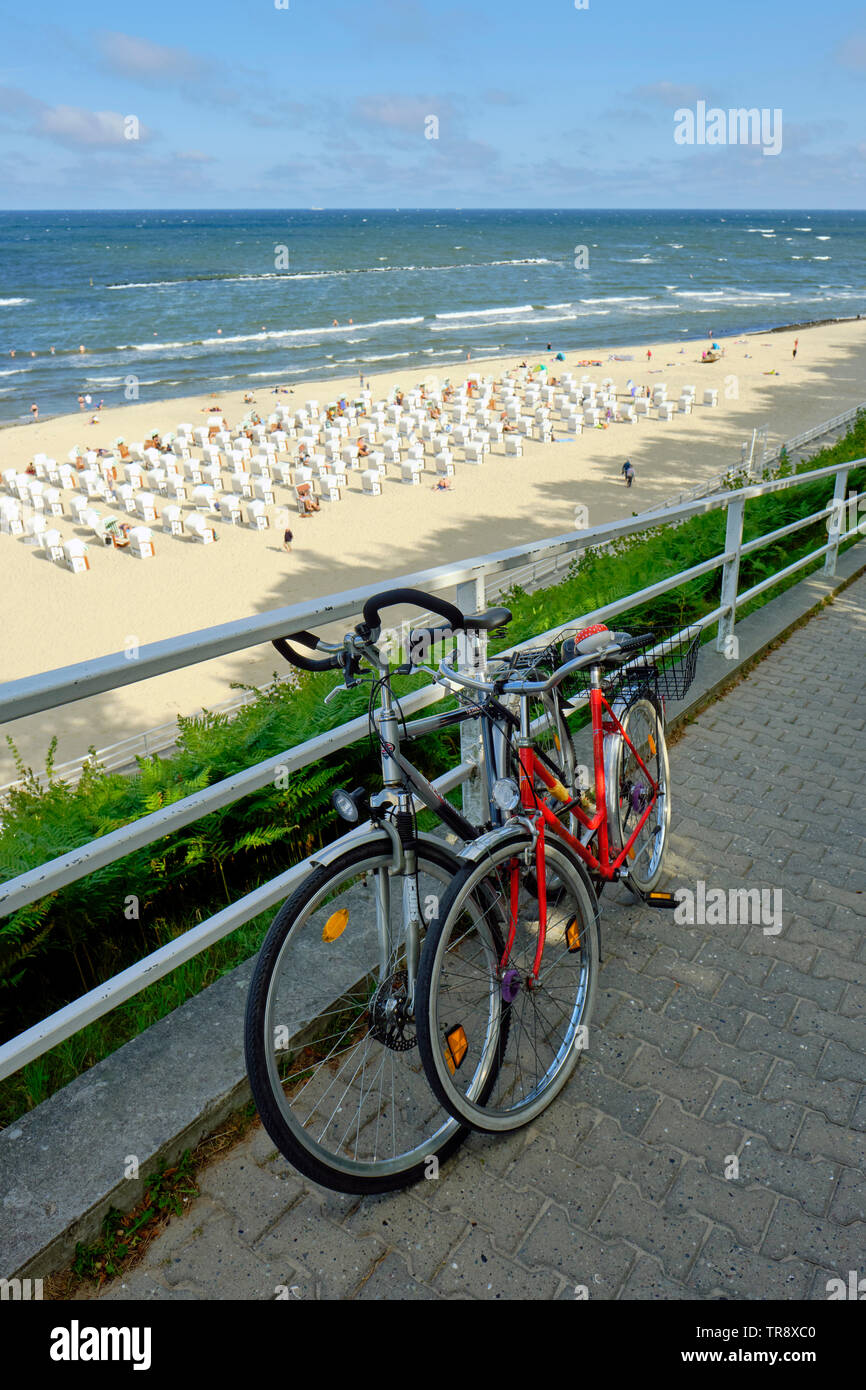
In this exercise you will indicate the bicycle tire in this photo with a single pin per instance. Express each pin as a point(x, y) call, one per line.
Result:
point(331, 1161)
point(625, 792)
point(500, 1040)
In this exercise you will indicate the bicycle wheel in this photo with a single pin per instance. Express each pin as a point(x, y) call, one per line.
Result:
point(628, 792)
point(498, 1044)
point(330, 1039)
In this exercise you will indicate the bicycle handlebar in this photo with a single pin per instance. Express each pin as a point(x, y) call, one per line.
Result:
point(371, 624)
point(306, 663)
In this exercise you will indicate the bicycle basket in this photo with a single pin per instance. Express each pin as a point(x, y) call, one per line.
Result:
point(543, 660)
point(665, 663)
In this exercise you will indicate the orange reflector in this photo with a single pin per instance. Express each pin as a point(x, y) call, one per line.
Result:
point(456, 1047)
point(572, 935)
point(336, 925)
point(652, 744)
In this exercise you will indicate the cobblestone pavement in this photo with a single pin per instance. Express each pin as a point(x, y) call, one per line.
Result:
point(708, 1042)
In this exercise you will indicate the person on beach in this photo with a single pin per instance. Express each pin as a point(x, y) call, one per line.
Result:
point(796, 345)
point(287, 539)
point(34, 410)
point(628, 472)
point(649, 355)
point(80, 402)
point(443, 485)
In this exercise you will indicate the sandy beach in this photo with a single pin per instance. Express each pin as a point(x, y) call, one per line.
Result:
point(55, 618)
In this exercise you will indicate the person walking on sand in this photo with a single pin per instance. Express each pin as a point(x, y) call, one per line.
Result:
point(628, 472)
point(796, 345)
point(287, 539)
point(649, 355)
point(34, 411)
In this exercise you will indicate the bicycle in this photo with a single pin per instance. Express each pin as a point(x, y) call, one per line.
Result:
point(330, 1035)
point(508, 970)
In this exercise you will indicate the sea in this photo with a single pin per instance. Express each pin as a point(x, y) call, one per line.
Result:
point(176, 303)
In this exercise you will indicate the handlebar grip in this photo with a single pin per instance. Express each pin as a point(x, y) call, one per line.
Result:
point(305, 663)
point(372, 613)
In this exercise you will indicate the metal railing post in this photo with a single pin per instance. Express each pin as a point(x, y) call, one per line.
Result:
point(731, 574)
point(836, 521)
point(472, 656)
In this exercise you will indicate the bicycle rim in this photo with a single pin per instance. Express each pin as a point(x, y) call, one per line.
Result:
point(498, 1045)
point(331, 1044)
point(629, 793)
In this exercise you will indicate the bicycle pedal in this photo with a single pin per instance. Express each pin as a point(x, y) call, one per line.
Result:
point(663, 900)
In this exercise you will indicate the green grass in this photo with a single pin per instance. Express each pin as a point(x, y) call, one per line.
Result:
point(73, 939)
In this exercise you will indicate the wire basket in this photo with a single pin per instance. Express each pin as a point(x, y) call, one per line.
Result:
point(543, 660)
point(664, 663)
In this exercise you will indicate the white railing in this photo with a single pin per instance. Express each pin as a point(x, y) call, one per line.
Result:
point(472, 580)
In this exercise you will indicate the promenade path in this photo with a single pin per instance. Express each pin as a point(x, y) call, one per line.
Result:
point(708, 1042)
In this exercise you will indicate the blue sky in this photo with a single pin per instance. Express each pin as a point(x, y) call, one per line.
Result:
point(324, 103)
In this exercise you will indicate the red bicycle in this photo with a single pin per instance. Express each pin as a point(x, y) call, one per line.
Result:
point(508, 970)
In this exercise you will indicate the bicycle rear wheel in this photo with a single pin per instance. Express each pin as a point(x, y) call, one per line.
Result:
point(330, 1035)
point(498, 1044)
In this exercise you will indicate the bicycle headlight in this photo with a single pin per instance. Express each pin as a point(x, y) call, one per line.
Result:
point(506, 793)
point(348, 805)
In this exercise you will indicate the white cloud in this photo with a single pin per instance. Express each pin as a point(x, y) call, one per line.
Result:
point(73, 125)
point(145, 61)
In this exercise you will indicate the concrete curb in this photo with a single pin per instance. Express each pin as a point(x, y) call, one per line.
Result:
point(62, 1165)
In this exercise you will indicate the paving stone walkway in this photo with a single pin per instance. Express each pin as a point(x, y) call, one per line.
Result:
point(710, 1042)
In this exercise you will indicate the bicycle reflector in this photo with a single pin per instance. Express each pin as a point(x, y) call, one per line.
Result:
point(456, 1047)
point(506, 793)
point(336, 924)
point(572, 935)
point(349, 805)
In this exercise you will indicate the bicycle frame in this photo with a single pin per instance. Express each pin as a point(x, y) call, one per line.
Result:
point(543, 817)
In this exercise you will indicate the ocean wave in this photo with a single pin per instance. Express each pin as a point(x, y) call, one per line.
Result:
point(823, 238)
point(319, 274)
point(8, 303)
point(268, 335)
point(640, 260)
point(617, 299)
point(483, 313)
point(15, 371)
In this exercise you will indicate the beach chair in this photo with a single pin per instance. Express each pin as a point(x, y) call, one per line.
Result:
point(141, 542)
point(415, 454)
point(627, 414)
point(684, 405)
point(377, 462)
point(263, 489)
point(642, 406)
point(391, 451)
point(371, 482)
point(711, 396)
point(329, 488)
point(53, 501)
point(256, 516)
point(172, 521)
point(52, 544)
point(473, 452)
point(231, 508)
point(145, 506)
point(200, 530)
point(445, 464)
point(666, 410)
point(203, 498)
point(35, 527)
point(75, 556)
point(513, 446)
point(410, 473)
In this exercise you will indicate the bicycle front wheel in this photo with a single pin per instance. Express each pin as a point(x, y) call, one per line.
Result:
point(498, 1042)
point(629, 792)
point(330, 1035)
